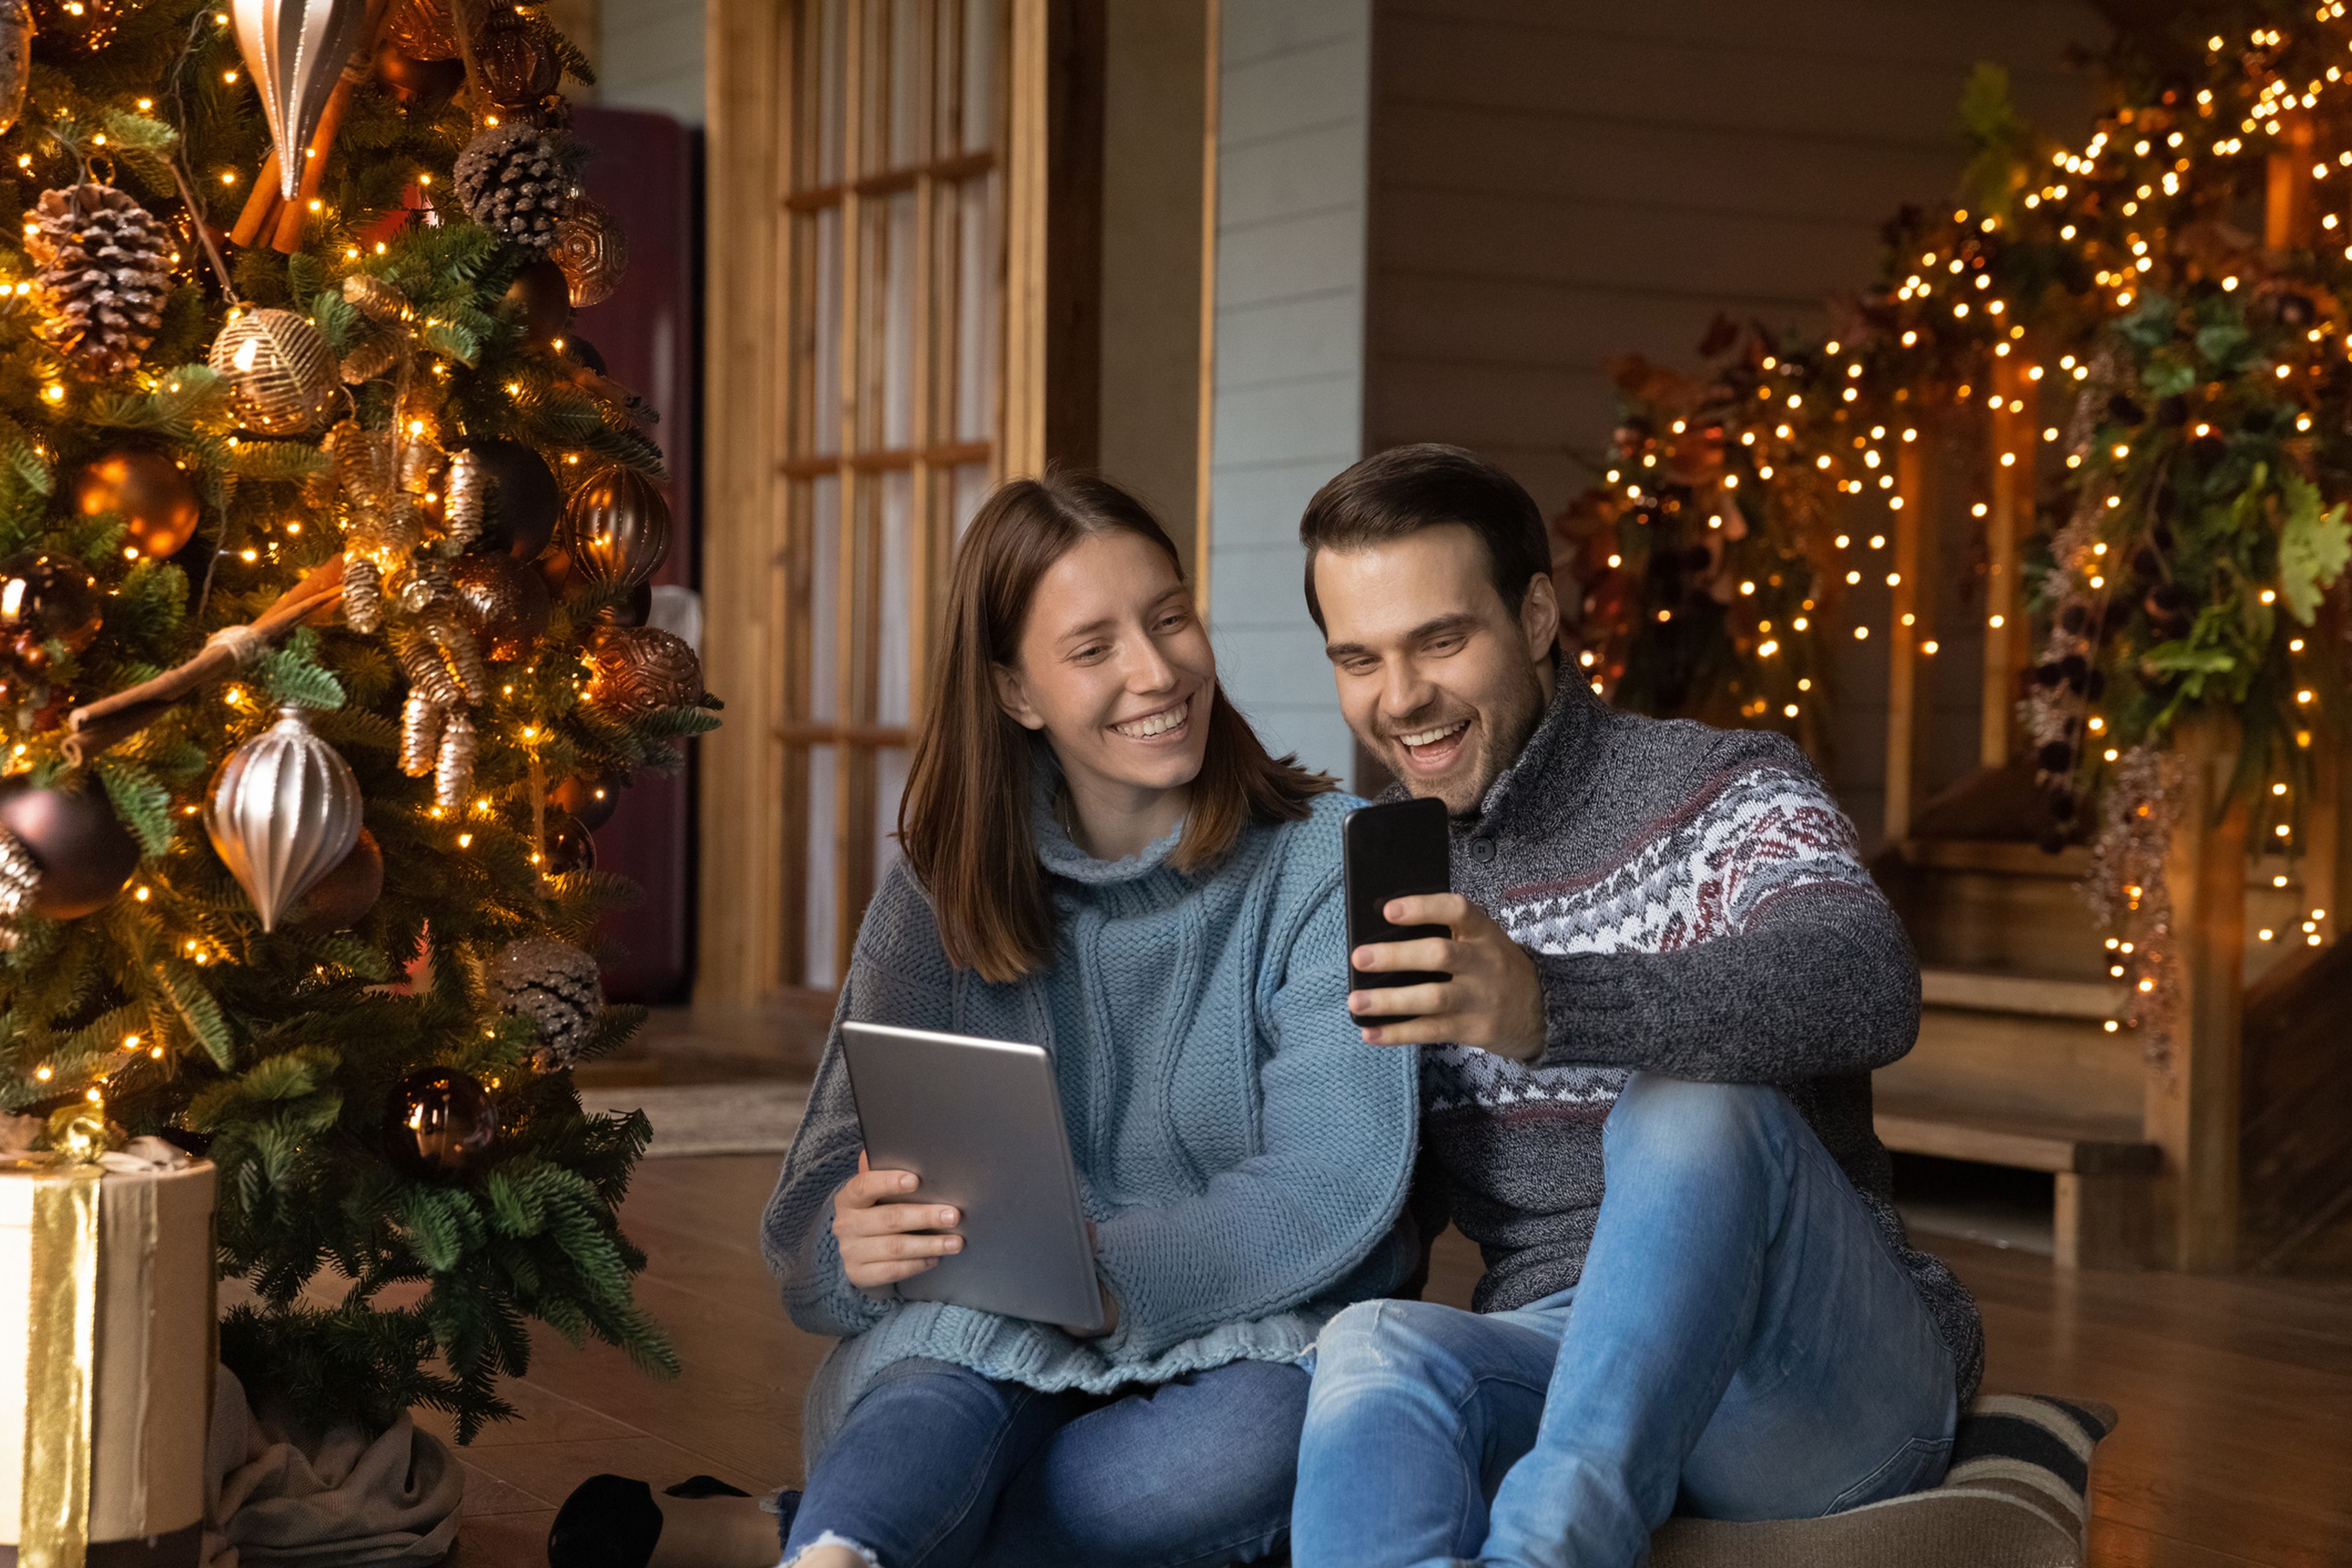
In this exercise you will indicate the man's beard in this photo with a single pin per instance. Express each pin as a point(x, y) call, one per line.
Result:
point(1504, 729)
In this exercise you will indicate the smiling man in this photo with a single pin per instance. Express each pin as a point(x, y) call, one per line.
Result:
point(1645, 1092)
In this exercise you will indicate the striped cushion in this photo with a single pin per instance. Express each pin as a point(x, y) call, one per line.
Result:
point(2014, 1497)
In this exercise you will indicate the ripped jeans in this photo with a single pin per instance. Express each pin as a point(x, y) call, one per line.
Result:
point(1744, 1344)
point(936, 1466)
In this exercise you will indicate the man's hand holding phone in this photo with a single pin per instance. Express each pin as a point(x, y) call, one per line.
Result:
point(1490, 996)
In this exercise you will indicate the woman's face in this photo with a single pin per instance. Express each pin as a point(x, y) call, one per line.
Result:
point(1115, 668)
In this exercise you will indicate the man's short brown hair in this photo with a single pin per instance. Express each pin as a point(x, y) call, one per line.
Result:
point(1404, 489)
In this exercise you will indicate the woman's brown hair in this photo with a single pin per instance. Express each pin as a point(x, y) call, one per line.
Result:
point(964, 821)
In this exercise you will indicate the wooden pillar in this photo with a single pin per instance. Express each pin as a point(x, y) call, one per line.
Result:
point(2290, 215)
point(1910, 677)
point(1053, 215)
point(739, 941)
point(2010, 516)
point(2192, 1099)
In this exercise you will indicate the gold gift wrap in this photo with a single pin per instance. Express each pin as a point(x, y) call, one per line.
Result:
point(122, 1313)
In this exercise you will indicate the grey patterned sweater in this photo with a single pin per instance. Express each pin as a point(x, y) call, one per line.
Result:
point(1697, 906)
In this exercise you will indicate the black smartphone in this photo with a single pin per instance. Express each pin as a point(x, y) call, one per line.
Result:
point(1392, 851)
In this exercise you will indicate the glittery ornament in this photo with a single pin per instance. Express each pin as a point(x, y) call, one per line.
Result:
point(592, 249)
point(362, 595)
point(616, 528)
point(422, 29)
point(457, 646)
point(104, 265)
point(20, 879)
point(438, 1122)
point(504, 603)
point(517, 65)
point(420, 734)
point(461, 506)
point(280, 372)
point(453, 765)
point(154, 499)
point(373, 298)
point(557, 987)
point(637, 669)
point(284, 810)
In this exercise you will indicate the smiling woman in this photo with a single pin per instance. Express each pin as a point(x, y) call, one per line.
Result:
point(1068, 618)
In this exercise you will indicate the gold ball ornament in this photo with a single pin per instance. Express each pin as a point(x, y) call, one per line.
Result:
point(616, 528)
point(593, 251)
point(635, 669)
point(156, 501)
point(280, 370)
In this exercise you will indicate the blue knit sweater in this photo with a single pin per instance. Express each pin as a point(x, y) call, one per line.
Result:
point(1244, 1154)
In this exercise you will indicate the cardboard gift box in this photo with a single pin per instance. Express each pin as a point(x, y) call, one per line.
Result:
point(136, 1352)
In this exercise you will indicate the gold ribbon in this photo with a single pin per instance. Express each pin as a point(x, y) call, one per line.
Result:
point(61, 1343)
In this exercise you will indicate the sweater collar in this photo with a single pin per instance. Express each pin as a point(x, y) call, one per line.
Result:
point(1555, 755)
point(1062, 856)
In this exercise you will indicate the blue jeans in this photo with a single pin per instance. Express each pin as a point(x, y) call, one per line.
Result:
point(1744, 1342)
point(936, 1466)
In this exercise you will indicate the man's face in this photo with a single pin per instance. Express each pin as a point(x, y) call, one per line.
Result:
point(1440, 679)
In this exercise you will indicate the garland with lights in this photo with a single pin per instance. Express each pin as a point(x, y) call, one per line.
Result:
point(322, 567)
point(2159, 402)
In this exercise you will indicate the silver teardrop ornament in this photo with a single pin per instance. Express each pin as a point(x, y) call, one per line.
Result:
point(296, 49)
point(284, 812)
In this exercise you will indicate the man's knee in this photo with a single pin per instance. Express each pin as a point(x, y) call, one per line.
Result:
point(1377, 1343)
point(1701, 1125)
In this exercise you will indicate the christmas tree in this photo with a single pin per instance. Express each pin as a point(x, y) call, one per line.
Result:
point(2141, 344)
point(321, 556)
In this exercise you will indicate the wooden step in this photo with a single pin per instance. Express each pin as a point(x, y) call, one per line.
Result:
point(2004, 991)
point(2099, 1146)
point(2102, 1170)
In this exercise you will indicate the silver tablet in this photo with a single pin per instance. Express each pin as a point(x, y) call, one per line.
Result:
point(979, 1121)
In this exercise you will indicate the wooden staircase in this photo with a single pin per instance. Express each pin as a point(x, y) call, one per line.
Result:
point(2018, 1065)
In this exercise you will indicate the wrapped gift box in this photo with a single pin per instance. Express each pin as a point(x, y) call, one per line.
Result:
point(154, 1344)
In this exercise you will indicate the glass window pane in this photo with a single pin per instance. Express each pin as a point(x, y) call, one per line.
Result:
point(970, 490)
point(979, 74)
point(897, 264)
point(825, 596)
point(979, 273)
point(820, 909)
point(833, 76)
point(825, 349)
point(890, 785)
point(893, 682)
point(907, 76)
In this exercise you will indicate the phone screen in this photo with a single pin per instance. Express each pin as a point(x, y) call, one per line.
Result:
point(1391, 852)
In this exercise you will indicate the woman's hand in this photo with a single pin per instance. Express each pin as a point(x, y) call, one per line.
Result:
point(883, 1238)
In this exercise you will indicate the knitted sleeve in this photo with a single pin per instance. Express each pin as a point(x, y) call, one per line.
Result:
point(897, 974)
point(1793, 964)
point(1334, 1160)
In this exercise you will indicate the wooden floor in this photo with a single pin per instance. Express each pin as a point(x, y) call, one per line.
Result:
point(2236, 1394)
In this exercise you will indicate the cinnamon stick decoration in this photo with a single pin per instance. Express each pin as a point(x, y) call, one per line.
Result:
point(95, 726)
point(260, 205)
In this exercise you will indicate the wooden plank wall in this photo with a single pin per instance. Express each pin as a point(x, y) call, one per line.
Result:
point(1294, 119)
point(1555, 182)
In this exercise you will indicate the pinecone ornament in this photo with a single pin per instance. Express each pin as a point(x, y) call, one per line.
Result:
point(555, 985)
point(515, 181)
point(105, 266)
